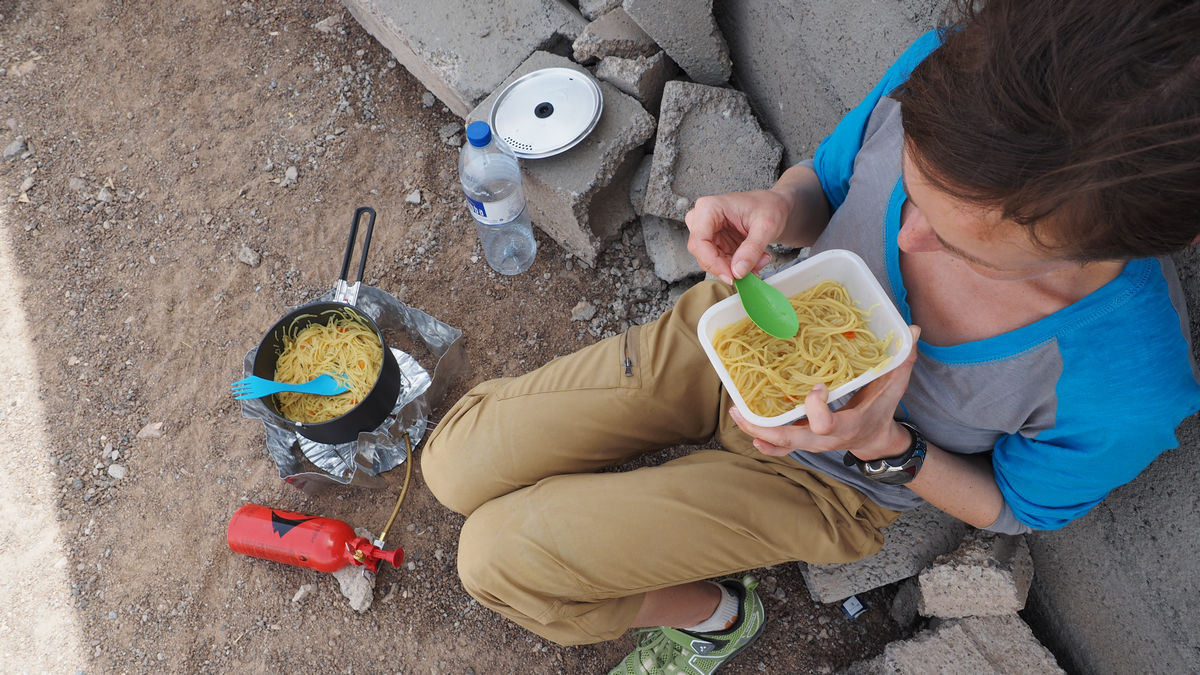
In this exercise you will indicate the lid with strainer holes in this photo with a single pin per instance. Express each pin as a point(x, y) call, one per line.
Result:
point(547, 111)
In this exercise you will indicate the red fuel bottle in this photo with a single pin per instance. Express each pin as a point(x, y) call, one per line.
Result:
point(296, 539)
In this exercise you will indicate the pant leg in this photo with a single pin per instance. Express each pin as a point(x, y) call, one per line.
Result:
point(648, 389)
point(571, 557)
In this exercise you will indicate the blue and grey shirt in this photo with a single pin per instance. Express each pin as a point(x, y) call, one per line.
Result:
point(1070, 406)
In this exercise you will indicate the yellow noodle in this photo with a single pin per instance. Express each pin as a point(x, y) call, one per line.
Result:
point(344, 347)
point(833, 346)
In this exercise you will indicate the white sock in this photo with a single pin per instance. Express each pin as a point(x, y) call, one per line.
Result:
point(724, 617)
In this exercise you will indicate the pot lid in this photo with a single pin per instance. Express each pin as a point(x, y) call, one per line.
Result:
point(547, 111)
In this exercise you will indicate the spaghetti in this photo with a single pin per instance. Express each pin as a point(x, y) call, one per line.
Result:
point(342, 346)
point(833, 346)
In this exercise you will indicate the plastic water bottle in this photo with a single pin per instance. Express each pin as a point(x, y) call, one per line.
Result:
point(491, 180)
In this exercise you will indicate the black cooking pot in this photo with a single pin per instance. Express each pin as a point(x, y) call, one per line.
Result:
point(375, 407)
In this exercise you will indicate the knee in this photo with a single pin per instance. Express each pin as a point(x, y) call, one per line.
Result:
point(439, 461)
point(487, 547)
point(450, 461)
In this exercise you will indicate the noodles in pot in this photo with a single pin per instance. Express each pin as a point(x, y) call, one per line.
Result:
point(833, 346)
point(342, 346)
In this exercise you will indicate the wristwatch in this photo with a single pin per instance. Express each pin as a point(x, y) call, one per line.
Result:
point(897, 470)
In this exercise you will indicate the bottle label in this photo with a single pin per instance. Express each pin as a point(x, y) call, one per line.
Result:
point(497, 213)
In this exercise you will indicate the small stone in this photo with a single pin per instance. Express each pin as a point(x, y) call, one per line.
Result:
point(269, 166)
point(329, 24)
point(152, 430)
point(14, 149)
point(27, 184)
point(447, 131)
point(77, 184)
point(117, 471)
point(413, 197)
point(112, 615)
point(427, 99)
point(76, 484)
point(583, 311)
point(358, 585)
point(303, 592)
point(104, 195)
point(289, 176)
point(249, 256)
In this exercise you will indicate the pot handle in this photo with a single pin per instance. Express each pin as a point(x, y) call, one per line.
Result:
point(347, 292)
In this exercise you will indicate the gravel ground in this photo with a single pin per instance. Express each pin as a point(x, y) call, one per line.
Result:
point(176, 175)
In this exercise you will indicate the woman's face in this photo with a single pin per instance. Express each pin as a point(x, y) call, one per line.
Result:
point(979, 237)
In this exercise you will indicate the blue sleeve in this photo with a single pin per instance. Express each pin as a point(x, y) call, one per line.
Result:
point(834, 158)
point(1119, 402)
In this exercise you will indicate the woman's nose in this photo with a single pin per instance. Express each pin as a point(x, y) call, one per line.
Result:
point(915, 234)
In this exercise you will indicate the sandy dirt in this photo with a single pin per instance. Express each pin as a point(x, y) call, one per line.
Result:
point(158, 141)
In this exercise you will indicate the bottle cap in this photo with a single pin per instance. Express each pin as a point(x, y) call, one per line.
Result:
point(479, 134)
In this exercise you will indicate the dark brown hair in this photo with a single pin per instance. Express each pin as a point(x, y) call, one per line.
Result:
point(1077, 119)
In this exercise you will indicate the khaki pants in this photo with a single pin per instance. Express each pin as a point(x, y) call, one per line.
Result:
point(568, 551)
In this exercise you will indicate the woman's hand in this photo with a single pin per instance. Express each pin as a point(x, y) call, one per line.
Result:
point(863, 426)
point(729, 233)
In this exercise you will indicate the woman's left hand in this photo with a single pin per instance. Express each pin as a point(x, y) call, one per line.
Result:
point(864, 426)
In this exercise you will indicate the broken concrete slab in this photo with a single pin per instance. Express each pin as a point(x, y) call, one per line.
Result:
point(614, 34)
point(708, 143)
point(581, 197)
point(904, 609)
point(593, 9)
point(666, 242)
point(461, 51)
point(642, 78)
point(1010, 645)
point(988, 575)
point(803, 65)
point(688, 32)
point(912, 542)
point(1000, 645)
point(637, 184)
point(948, 650)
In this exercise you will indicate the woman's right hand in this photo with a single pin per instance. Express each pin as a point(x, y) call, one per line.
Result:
point(729, 233)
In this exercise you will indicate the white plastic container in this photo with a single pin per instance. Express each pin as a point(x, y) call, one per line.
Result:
point(844, 267)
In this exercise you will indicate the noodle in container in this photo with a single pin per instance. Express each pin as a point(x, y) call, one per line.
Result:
point(847, 269)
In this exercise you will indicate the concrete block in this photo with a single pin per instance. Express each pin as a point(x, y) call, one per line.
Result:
point(614, 34)
point(666, 242)
point(460, 50)
point(581, 197)
point(988, 575)
point(1001, 645)
point(947, 650)
point(593, 9)
point(637, 185)
point(904, 609)
point(642, 78)
point(1009, 645)
point(688, 32)
point(909, 545)
point(803, 65)
point(708, 143)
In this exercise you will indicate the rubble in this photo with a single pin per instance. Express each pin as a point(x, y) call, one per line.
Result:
point(666, 242)
point(909, 545)
point(709, 142)
point(988, 575)
point(579, 197)
point(462, 51)
point(1001, 645)
point(688, 32)
point(614, 34)
point(643, 77)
